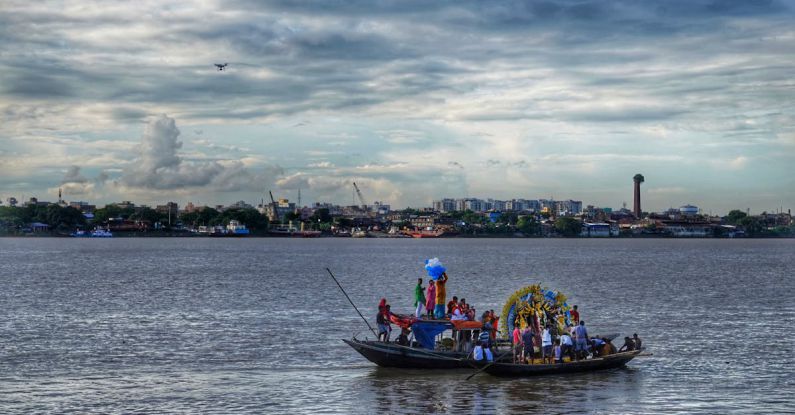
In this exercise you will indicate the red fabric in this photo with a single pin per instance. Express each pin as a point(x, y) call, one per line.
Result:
point(402, 320)
point(466, 324)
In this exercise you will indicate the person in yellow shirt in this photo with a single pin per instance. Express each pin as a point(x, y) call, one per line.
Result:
point(441, 296)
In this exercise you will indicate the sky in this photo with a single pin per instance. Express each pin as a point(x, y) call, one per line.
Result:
point(412, 100)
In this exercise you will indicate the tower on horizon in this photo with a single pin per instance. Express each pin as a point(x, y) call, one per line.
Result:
point(638, 179)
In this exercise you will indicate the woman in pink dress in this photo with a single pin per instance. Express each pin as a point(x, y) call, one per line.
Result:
point(430, 298)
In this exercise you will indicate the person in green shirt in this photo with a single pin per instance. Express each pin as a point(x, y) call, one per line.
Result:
point(419, 298)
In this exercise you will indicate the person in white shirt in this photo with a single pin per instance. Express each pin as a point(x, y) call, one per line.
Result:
point(567, 345)
point(480, 352)
point(546, 345)
point(477, 352)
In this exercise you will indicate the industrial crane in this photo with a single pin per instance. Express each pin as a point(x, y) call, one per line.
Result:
point(361, 199)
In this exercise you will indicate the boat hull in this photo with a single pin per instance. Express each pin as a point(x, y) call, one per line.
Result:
point(393, 355)
point(587, 365)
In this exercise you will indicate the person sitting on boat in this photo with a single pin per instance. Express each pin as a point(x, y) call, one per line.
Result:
point(403, 338)
point(471, 314)
point(597, 346)
point(452, 305)
point(462, 304)
point(638, 341)
point(430, 298)
point(419, 298)
point(581, 340)
point(628, 346)
point(567, 345)
point(441, 296)
point(546, 344)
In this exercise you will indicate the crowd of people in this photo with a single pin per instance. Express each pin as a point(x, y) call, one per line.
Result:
point(431, 304)
point(573, 343)
point(553, 344)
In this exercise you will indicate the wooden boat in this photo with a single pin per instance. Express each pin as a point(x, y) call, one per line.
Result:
point(395, 355)
point(586, 365)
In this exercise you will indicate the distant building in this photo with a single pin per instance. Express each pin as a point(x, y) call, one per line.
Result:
point(240, 205)
point(171, 209)
point(688, 210)
point(596, 230)
point(444, 205)
point(125, 205)
point(277, 211)
point(84, 207)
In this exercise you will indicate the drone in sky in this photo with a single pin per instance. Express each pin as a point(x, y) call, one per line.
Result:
point(221, 66)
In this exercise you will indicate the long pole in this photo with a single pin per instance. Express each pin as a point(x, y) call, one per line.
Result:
point(350, 301)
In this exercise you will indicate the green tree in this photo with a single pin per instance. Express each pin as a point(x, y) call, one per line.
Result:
point(147, 214)
point(751, 225)
point(735, 216)
point(528, 225)
point(567, 226)
point(208, 216)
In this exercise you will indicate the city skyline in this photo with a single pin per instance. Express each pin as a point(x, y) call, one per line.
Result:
point(412, 101)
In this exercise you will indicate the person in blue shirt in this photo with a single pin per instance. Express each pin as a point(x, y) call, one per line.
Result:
point(581, 340)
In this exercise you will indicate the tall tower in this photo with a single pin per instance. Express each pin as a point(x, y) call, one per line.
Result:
point(638, 179)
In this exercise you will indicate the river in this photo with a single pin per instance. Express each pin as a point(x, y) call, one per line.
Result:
point(253, 325)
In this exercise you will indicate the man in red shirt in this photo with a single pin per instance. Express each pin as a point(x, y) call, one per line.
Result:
point(575, 316)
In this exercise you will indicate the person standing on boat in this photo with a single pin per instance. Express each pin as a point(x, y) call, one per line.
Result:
point(387, 319)
point(528, 337)
point(638, 341)
point(430, 298)
point(575, 316)
point(380, 321)
point(557, 350)
point(581, 340)
point(419, 298)
point(516, 336)
point(441, 296)
point(546, 345)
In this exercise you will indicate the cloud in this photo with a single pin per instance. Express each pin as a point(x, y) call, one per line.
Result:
point(74, 183)
point(561, 87)
point(321, 165)
point(158, 165)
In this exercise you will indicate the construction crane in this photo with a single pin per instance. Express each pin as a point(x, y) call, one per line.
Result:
point(359, 193)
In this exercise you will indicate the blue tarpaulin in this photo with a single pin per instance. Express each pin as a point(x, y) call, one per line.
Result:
point(425, 332)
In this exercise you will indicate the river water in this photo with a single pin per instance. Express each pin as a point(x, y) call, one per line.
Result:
point(254, 325)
